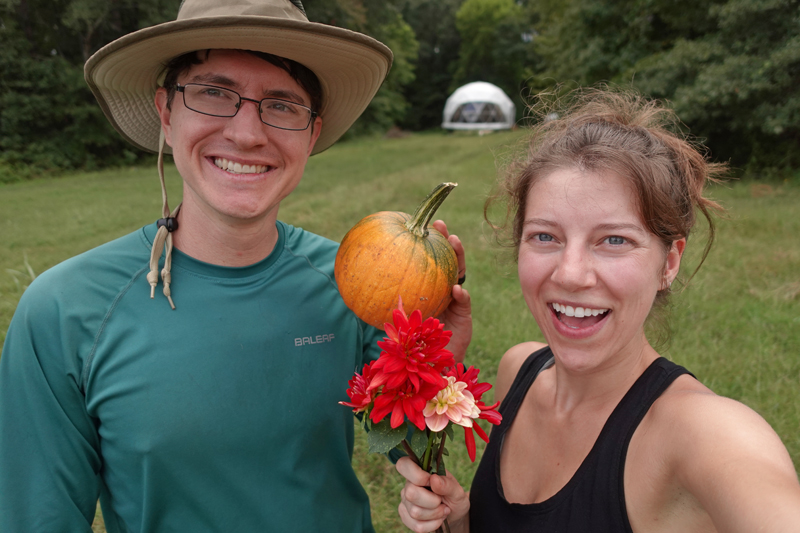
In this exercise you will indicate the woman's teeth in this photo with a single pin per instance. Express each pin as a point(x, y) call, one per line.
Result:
point(578, 312)
point(239, 168)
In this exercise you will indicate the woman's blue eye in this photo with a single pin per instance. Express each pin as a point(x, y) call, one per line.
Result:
point(543, 237)
point(616, 240)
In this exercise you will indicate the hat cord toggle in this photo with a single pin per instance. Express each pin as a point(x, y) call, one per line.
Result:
point(163, 238)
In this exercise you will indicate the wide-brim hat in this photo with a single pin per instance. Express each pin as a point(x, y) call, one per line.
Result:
point(125, 74)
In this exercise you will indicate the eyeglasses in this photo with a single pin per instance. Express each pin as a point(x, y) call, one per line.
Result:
point(221, 102)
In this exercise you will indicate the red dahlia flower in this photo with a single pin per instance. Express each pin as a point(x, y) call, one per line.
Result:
point(413, 353)
point(470, 377)
point(360, 395)
point(402, 402)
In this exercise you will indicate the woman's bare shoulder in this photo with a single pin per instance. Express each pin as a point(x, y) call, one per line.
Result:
point(723, 453)
point(510, 364)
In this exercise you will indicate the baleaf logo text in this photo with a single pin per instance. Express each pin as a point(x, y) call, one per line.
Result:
point(319, 339)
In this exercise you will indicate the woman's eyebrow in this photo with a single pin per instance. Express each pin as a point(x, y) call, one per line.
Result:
point(539, 222)
point(620, 226)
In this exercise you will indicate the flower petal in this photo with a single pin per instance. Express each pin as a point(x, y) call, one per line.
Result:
point(481, 433)
point(469, 438)
point(436, 422)
point(397, 415)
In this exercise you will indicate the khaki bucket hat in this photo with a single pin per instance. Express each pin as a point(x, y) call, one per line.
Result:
point(125, 74)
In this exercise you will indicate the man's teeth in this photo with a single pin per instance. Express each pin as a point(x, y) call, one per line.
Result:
point(239, 168)
point(579, 312)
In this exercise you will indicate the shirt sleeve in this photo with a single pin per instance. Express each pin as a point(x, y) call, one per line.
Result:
point(371, 350)
point(49, 460)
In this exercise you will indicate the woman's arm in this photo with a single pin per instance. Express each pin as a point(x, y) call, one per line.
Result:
point(734, 463)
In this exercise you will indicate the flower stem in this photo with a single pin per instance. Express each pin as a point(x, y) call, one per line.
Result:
point(439, 464)
point(411, 453)
point(426, 460)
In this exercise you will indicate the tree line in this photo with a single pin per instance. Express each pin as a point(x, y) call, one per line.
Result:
point(730, 68)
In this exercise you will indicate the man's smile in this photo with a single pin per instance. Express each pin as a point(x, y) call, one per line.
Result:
point(238, 168)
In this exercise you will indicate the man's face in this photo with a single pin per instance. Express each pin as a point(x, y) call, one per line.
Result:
point(237, 169)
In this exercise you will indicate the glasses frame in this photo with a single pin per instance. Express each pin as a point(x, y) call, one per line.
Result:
point(312, 114)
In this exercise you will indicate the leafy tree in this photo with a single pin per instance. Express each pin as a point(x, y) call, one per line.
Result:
point(494, 45)
point(737, 86)
point(49, 119)
point(730, 68)
point(384, 22)
point(434, 24)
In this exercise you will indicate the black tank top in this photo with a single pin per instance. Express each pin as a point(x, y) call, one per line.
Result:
point(594, 499)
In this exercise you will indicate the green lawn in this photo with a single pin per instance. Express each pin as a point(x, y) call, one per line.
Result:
point(737, 326)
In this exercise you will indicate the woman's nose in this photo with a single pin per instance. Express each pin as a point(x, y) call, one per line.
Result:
point(575, 269)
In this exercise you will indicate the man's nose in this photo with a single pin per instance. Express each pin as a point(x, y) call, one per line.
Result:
point(246, 128)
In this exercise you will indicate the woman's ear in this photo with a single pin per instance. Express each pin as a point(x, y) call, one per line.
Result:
point(673, 263)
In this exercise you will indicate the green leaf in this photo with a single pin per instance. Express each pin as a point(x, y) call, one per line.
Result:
point(383, 438)
point(419, 441)
point(449, 430)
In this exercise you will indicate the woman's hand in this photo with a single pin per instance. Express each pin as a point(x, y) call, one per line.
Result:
point(458, 315)
point(423, 510)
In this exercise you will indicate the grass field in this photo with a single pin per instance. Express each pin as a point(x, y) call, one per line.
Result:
point(736, 326)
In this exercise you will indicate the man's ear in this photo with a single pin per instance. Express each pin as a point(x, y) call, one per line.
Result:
point(164, 113)
point(316, 129)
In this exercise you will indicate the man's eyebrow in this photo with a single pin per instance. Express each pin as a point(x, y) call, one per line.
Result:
point(285, 94)
point(215, 79)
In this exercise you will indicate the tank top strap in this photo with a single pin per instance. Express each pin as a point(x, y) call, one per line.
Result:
point(533, 365)
point(611, 447)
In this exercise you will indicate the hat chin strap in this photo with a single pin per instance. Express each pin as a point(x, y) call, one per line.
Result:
point(163, 238)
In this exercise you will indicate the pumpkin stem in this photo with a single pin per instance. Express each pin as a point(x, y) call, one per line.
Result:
point(418, 225)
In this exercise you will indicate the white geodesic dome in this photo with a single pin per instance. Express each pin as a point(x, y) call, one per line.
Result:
point(479, 106)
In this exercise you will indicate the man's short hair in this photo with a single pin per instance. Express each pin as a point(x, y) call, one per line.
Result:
point(299, 73)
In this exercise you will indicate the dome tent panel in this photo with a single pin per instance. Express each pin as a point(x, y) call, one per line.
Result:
point(477, 106)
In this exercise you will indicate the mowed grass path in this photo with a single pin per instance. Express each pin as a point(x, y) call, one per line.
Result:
point(736, 326)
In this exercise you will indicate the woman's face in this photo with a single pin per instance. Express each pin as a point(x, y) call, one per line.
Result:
point(589, 268)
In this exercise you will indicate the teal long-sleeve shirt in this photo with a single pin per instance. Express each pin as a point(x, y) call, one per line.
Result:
point(221, 415)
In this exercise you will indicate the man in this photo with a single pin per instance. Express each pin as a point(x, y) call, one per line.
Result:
point(213, 407)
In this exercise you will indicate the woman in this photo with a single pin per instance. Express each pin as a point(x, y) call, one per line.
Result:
point(599, 432)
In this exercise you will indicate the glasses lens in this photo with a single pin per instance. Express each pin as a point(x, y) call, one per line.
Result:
point(211, 100)
point(284, 114)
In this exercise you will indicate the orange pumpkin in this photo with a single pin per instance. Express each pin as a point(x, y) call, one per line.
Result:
point(391, 255)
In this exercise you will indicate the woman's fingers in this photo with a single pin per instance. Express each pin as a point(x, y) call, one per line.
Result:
point(412, 472)
point(420, 509)
point(426, 500)
point(455, 242)
point(419, 525)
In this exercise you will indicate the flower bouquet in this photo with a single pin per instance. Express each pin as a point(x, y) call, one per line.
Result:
point(416, 381)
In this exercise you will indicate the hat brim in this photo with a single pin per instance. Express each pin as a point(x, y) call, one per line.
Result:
point(124, 75)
